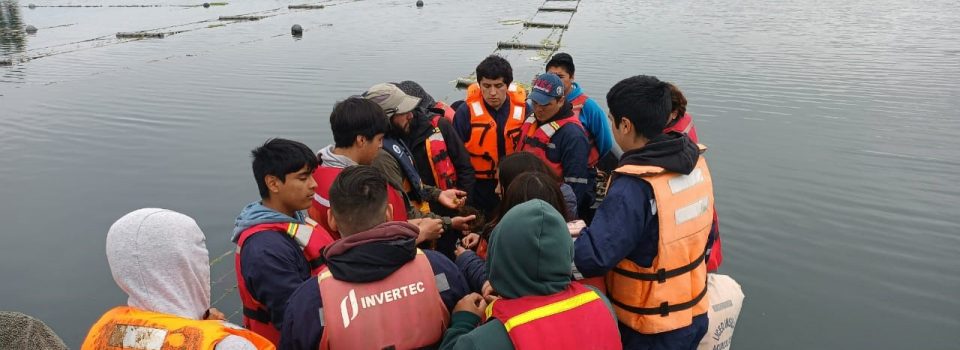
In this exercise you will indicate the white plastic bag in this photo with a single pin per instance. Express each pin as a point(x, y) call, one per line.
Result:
point(726, 299)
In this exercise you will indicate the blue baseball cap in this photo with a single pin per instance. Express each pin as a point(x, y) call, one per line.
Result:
point(547, 87)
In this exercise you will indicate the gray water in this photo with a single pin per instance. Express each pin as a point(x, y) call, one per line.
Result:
point(832, 128)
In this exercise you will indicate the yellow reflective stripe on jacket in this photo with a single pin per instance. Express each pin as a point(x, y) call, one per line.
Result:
point(548, 310)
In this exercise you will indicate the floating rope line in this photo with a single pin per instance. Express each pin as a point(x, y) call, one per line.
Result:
point(545, 48)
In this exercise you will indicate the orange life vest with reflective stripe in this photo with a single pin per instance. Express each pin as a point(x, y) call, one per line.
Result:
point(482, 146)
point(538, 140)
point(402, 311)
point(575, 318)
point(324, 176)
point(444, 173)
point(311, 238)
point(670, 293)
point(124, 327)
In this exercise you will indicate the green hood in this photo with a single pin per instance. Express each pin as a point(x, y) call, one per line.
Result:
point(530, 252)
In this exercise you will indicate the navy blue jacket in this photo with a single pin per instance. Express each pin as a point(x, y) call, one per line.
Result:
point(302, 326)
point(625, 226)
point(273, 266)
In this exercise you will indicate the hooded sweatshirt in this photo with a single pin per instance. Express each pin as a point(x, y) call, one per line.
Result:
point(272, 264)
point(626, 227)
point(159, 258)
point(329, 159)
point(364, 257)
point(594, 120)
point(530, 255)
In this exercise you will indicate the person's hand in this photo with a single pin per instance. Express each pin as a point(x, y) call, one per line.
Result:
point(214, 314)
point(430, 229)
point(488, 293)
point(472, 303)
point(452, 198)
point(462, 223)
point(459, 250)
point(575, 227)
point(470, 240)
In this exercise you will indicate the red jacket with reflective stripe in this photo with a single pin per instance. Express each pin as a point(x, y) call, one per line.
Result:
point(575, 318)
point(402, 311)
point(324, 177)
point(538, 140)
point(312, 239)
point(441, 166)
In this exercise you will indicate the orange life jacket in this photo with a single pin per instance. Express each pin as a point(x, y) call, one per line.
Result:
point(558, 321)
point(124, 327)
point(537, 140)
point(324, 176)
point(670, 293)
point(482, 147)
point(402, 311)
point(448, 111)
point(444, 173)
point(312, 239)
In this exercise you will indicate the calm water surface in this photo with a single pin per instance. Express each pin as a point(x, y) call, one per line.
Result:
point(832, 129)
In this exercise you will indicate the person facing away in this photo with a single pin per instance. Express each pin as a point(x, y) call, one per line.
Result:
point(554, 134)
point(438, 154)
point(159, 258)
point(526, 187)
point(649, 237)
point(377, 290)
point(681, 121)
point(489, 123)
point(537, 305)
point(592, 117)
point(276, 249)
point(358, 126)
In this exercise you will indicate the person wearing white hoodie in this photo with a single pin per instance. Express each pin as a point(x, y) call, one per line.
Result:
point(159, 258)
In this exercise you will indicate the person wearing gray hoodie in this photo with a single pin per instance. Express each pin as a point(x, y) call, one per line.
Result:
point(159, 258)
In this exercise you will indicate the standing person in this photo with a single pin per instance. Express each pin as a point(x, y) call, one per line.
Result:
point(539, 307)
point(489, 123)
point(358, 126)
point(159, 258)
point(276, 249)
point(681, 121)
point(374, 274)
point(650, 235)
point(395, 160)
point(592, 117)
point(554, 134)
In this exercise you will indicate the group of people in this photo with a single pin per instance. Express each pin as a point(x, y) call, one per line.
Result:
point(474, 225)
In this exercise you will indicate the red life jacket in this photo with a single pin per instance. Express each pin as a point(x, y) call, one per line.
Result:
point(402, 311)
point(313, 239)
point(324, 177)
point(685, 125)
point(577, 107)
point(448, 111)
point(537, 140)
point(575, 318)
point(444, 173)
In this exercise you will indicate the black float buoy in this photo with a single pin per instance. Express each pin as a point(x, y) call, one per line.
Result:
point(206, 5)
point(419, 3)
point(32, 6)
point(30, 30)
point(296, 30)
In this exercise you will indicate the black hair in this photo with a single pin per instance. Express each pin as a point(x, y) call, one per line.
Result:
point(495, 67)
point(562, 60)
point(678, 103)
point(279, 157)
point(521, 162)
point(358, 199)
point(643, 99)
point(527, 186)
point(357, 116)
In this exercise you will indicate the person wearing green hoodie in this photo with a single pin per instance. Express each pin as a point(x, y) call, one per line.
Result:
point(529, 263)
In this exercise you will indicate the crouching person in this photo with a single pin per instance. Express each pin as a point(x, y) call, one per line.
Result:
point(377, 291)
point(159, 258)
point(538, 306)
